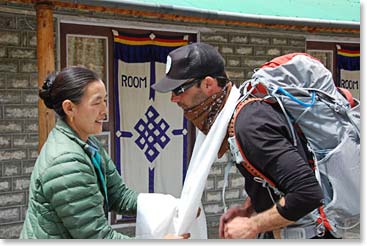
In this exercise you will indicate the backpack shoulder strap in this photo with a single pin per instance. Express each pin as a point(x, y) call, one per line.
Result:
point(231, 132)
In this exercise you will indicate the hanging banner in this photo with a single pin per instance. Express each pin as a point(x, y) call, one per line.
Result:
point(348, 63)
point(151, 133)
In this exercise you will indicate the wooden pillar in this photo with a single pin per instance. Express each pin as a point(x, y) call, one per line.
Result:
point(45, 63)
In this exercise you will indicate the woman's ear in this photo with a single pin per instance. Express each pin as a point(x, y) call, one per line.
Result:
point(68, 107)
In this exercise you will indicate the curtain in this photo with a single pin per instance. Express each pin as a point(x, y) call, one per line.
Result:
point(348, 64)
point(151, 132)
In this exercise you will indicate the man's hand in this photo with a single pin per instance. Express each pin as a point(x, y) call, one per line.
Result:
point(240, 227)
point(245, 210)
point(228, 216)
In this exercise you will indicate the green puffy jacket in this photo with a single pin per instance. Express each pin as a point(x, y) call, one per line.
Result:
point(66, 198)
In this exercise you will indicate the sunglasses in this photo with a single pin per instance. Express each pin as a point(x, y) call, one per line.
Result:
point(182, 88)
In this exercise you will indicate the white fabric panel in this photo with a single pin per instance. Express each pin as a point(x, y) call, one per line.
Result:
point(134, 88)
point(350, 80)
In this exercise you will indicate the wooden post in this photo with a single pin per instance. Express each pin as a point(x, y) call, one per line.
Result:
point(46, 64)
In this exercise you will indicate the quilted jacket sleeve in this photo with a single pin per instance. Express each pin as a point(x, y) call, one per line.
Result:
point(122, 199)
point(71, 187)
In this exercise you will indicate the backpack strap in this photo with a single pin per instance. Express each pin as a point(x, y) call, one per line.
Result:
point(231, 132)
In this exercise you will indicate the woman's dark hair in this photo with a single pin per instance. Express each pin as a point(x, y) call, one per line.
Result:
point(70, 84)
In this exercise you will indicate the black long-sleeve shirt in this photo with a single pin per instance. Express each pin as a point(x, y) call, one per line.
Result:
point(266, 140)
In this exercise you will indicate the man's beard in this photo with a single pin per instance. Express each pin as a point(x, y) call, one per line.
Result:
point(204, 114)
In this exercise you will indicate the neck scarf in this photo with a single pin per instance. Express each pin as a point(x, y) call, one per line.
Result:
point(204, 114)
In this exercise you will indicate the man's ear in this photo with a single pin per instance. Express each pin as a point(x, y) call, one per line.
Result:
point(210, 86)
point(68, 107)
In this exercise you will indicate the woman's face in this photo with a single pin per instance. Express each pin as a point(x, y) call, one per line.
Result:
point(91, 111)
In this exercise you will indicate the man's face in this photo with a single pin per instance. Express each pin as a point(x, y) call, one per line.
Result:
point(190, 97)
point(195, 94)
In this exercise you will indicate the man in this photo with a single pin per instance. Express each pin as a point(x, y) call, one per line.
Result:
point(196, 77)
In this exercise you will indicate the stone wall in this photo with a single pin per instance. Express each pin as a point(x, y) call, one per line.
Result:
point(18, 117)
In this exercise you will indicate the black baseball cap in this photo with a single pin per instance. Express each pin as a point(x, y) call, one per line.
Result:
point(191, 61)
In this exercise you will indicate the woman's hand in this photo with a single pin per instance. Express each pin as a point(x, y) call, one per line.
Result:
point(173, 236)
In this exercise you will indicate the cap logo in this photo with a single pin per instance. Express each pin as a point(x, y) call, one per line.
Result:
point(168, 64)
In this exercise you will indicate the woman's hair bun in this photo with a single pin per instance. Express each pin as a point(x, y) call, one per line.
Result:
point(45, 91)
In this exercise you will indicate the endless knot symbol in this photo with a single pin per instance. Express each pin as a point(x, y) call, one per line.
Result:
point(152, 133)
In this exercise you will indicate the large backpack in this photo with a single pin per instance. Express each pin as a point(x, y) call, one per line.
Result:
point(330, 122)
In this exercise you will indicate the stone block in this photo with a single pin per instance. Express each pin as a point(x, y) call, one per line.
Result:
point(243, 39)
point(209, 184)
point(5, 141)
point(9, 215)
point(235, 73)
point(27, 23)
point(234, 170)
point(12, 168)
point(11, 231)
point(32, 39)
point(27, 167)
point(18, 81)
point(233, 61)
point(9, 38)
point(28, 66)
point(279, 41)
point(11, 199)
point(210, 37)
point(297, 42)
point(213, 208)
point(226, 50)
point(25, 141)
point(21, 183)
point(273, 52)
point(7, 21)
point(3, 52)
point(10, 97)
point(244, 50)
point(259, 51)
point(237, 182)
point(213, 221)
point(22, 53)
point(10, 126)
point(288, 50)
point(31, 126)
point(23, 211)
point(259, 40)
point(213, 196)
point(21, 112)
point(2, 80)
point(12, 155)
point(32, 154)
point(7, 65)
point(232, 194)
point(30, 97)
point(253, 62)
point(5, 185)
point(216, 170)
point(220, 182)
point(33, 81)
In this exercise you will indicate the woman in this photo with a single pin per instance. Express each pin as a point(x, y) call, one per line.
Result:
point(74, 182)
